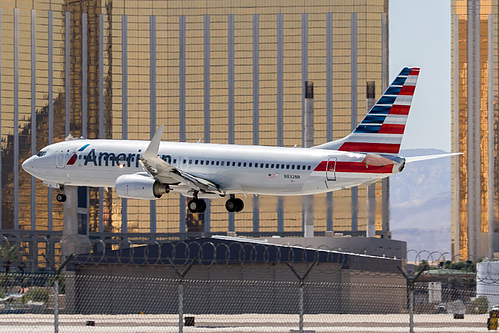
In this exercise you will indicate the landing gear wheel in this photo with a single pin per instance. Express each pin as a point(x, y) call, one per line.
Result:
point(197, 205)
point(234, 205)
point(61, 197)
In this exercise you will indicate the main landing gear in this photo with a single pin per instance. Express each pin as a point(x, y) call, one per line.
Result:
point(233, 204)
point(61, 197)
point(196, 205)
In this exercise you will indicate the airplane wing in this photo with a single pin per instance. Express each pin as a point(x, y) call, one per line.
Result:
point(168, 174)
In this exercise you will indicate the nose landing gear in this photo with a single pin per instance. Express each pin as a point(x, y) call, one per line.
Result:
point(61, 197)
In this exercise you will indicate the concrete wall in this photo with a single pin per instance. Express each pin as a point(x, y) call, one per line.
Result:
point(232, 289)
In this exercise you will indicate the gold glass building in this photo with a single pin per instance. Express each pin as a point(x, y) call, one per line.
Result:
point(221, 71)
point(475, 127)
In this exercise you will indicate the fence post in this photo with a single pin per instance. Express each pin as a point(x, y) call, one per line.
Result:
point(56, 305)
point(181, 276)
point(302, 285)
point(411, 282)
point(56, 287)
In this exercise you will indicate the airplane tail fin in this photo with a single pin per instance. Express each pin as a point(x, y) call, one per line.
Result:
point(382, 129)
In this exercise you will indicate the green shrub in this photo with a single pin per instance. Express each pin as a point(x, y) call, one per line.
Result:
point(37, 295)
point(480, 305)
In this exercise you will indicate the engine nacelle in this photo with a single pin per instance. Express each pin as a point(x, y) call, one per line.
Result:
point(138, 186)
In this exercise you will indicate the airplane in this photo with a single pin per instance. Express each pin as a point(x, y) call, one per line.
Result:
point(149, 169)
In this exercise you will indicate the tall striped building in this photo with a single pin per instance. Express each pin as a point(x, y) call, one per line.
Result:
point(220, 71)
point(475, 127)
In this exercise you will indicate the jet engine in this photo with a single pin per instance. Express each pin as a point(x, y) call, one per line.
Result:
point(140, 186)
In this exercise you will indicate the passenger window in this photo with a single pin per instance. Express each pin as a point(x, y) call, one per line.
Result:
point(207, 162)
point(244, 164)
point(250, 164)
point(261, 165)
point(239, 164)
point(190, 161)
point(272, 166)
point(202, 162)
point(297, 167)
point(222, 163)
point(174, 161)
point(218, 163)
point(233, 163)
point(277, 166)
point(293, 167)
point(212, 162)
point(267, 165)
point(309, 167)
point(196, 162)
point(287, 166)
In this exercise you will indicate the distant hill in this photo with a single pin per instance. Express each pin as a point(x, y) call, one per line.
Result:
point(420, 202)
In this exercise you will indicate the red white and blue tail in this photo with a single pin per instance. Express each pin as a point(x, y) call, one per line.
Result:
point(382, 129)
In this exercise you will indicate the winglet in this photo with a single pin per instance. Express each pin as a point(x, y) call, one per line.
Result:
point(152, 149)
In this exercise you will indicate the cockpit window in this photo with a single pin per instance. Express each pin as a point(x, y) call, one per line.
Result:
point(41, 153)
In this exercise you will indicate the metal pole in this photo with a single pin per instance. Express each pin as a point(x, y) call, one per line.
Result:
point(56, 305)
point(301, 309)
point(181, 306)
point(411, 309)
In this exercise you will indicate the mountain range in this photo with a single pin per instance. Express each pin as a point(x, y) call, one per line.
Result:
point(420, 203)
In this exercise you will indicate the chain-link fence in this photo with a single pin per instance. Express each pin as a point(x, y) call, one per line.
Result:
point(151, 304)
point(226, 286)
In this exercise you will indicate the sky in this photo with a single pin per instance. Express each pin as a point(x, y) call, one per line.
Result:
point(420, 35)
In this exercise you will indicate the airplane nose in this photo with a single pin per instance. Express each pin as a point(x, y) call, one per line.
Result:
point(28, 165)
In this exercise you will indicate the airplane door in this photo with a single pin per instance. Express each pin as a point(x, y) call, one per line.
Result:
point(331, 169)
point(59, 161)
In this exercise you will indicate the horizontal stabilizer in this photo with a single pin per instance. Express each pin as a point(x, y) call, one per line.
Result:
point(428, 157)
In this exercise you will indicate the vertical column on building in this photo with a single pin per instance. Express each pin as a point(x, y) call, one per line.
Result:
point(308, 131)
point(124, 103)
point(385, 183)
point(371, 188)
point(308, 124)
point(1, 165)
point(491, 154)
point(230, 71)
point(280, 114)
point(84, 114)
point(101, 111)
point(329, 106)
point(75, 235)
point(256, 106)
point(207, 104)
point(33, 243)
point(51, 109)
point(152, 121)
point(16, 118)
point(181, 107)
point(455, 143)
point(67, 73)
point(473, 151)
point(353, 120)
point(84, 78)
point(33, 116)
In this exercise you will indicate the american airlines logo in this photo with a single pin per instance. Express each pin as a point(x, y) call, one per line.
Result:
point(111, 159)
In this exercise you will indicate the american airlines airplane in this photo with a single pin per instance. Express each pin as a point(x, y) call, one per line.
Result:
point(149, 169)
